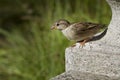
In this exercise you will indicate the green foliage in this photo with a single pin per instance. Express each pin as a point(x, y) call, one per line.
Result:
point(38, 53)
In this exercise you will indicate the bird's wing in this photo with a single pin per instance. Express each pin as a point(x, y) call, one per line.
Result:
point(85, 26)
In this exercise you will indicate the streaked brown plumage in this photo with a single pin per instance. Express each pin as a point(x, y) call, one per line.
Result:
point(80, 31)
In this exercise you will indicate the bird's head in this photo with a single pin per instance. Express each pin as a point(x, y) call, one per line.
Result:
point(60, 24)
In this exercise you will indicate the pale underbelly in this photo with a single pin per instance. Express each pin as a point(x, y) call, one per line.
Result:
point(70, 35)
point(76, 38)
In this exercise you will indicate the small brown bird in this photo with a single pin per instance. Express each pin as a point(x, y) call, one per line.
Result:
point(80, 32)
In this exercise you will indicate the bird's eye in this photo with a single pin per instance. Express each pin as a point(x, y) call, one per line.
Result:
point(57, 24)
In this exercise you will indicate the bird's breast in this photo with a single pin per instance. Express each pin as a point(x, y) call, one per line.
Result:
point(69, 33)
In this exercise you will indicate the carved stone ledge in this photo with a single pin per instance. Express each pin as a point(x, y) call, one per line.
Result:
point(100, 57)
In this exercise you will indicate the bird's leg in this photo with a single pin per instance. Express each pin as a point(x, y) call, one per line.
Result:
point(82, 43)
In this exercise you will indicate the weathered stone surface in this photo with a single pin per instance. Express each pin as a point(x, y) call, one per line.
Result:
point(95, 62)
point(113, 34)
point(98, 60)
point(76, 75)
point(99, 57)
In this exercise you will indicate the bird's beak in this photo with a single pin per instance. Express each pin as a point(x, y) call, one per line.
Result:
point(53, 27)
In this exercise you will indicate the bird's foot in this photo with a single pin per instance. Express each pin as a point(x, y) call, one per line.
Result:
point(82, 44)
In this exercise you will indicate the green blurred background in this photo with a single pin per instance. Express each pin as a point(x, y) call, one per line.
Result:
point(29, 50)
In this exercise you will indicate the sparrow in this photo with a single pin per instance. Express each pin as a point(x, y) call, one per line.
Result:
point(80, 32)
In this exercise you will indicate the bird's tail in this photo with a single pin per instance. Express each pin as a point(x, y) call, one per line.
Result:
point(99, 35)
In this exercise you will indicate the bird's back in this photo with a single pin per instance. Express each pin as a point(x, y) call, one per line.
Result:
point(82, 30)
